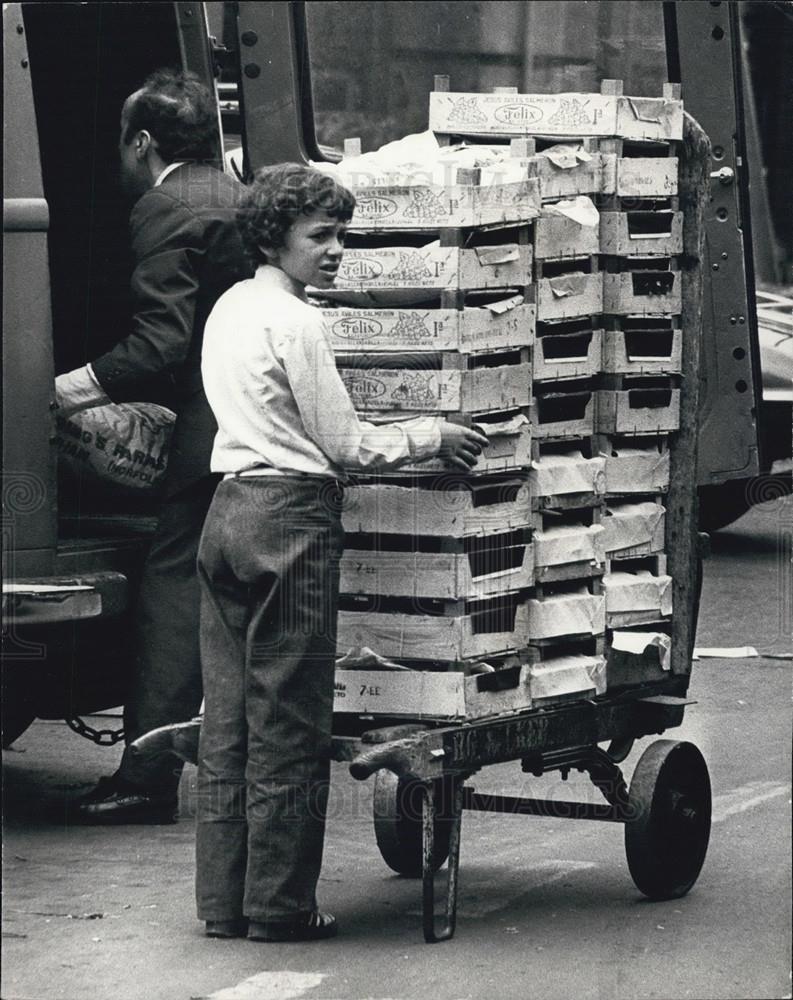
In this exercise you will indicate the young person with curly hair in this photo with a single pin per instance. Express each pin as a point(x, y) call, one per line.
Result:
point(269, 560)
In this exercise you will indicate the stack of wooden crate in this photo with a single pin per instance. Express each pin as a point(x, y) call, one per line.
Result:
point(547, 311)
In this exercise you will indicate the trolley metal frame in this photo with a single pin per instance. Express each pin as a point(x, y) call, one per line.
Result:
point(561, 738)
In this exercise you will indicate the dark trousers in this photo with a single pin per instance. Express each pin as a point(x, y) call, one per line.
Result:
point(269, 572)
point(166, 682)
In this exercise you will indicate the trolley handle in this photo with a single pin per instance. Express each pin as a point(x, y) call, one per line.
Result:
point(395, 756)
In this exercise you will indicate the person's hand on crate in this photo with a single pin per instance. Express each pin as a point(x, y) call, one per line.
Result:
point(461, 446)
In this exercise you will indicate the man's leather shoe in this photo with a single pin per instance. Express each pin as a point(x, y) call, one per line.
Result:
point(315, 926)
point(115, 801)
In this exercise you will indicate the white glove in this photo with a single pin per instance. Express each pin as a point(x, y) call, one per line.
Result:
point(79, 390)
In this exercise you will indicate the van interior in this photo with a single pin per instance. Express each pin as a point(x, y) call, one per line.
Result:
point(85, 59)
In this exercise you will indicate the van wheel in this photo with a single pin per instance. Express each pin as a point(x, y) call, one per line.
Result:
point(16, 720)
point(721, 505)
point(18, 710)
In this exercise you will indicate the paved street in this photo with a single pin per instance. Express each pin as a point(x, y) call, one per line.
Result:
point(547, 908)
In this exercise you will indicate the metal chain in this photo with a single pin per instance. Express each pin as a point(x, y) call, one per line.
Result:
point(102, 737)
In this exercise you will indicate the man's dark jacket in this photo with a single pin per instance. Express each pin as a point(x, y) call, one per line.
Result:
point(187, 252)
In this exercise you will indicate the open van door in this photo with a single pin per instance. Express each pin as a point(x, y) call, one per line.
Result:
point(72, 551)
point(197, 53)
point(704, 54)
point(29, 518)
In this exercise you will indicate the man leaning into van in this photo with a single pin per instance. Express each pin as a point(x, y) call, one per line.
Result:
point(187, 252)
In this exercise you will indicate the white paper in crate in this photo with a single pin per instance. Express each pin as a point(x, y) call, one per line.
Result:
point(580, 210)
point(565, 676)
point(634, 526)
point(557, 546)
point(637, 470)
point(555, 475)
point(573, 613)
point(637, 643)
point(418, 159)
point(640, 591)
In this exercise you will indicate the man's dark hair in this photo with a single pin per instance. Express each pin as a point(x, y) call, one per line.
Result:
point(179, 113)
point(278, 195)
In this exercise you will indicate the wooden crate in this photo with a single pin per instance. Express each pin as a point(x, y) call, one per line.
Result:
point(641, 233)
point(651, 119)
point(558, 236)
point(559, 413)
point(565, 678)
point(568, 552)
point(418, 694)
point(513, 114)
point(567, 350)
point(509, 113)
point(637, 657)
point(638, 410)
point(645, 177)
point(508, 448)
point(631, 469)
point(654, 291)
point(643, 345)
point(414, 388)
point(507, 322)
point(467, 633)
point(568, 174)
point(452, 506)
point(427, 206)
point(569, 296)
point(569, 474)
point(566, 169)
point(633, 529)
point(499, 564)
point(577, 612)
point(403, 275)
point(636, 598)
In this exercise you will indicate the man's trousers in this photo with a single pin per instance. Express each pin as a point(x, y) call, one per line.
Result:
point(166, 681)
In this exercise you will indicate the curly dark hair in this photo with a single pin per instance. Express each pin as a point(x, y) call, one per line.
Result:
point(178, 111)
point(278, 195)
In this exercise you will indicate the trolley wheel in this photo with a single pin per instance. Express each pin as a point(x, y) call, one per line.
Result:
point(397, 823)
point(666, 834)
